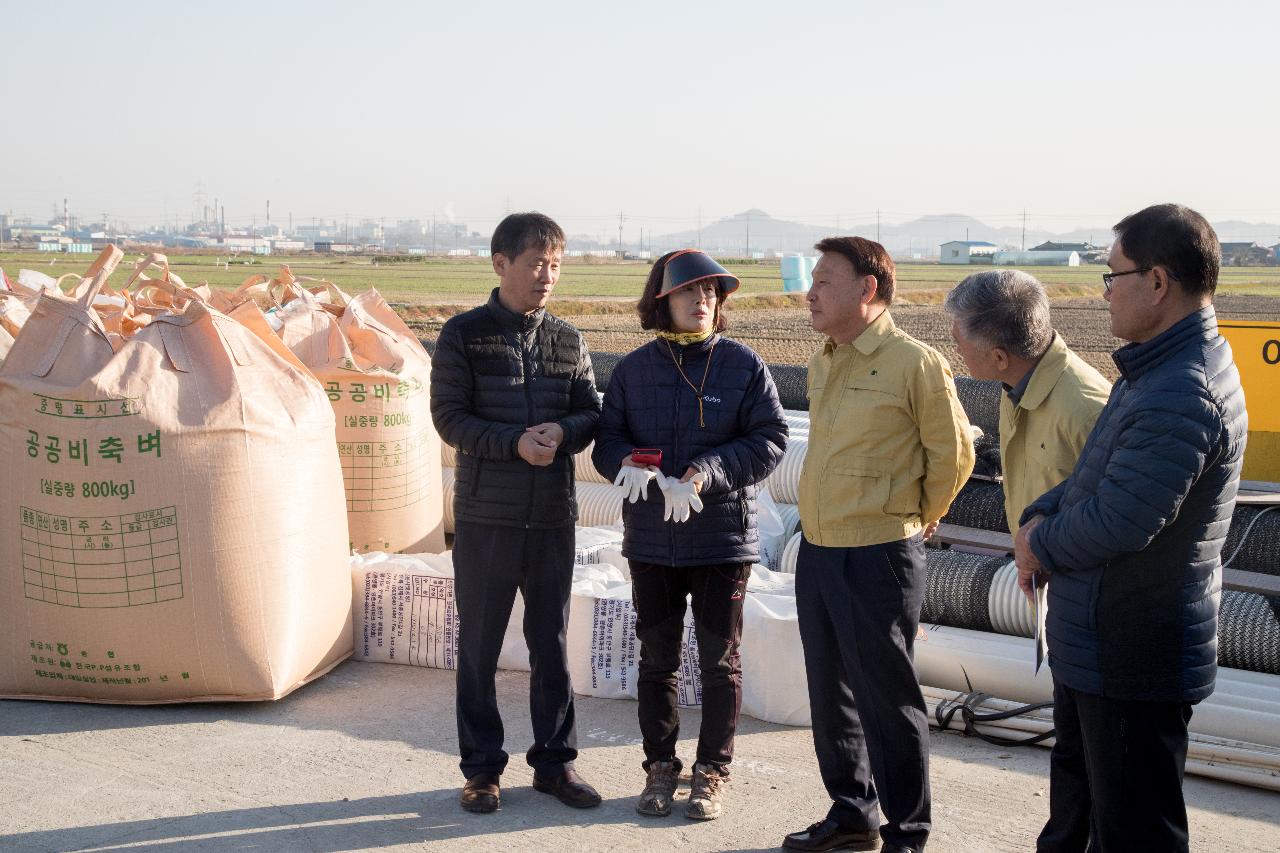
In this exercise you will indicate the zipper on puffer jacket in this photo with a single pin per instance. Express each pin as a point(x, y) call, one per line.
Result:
point(526, 351)
point(675, 450)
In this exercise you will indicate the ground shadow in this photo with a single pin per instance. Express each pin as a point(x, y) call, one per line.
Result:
point(338, 825)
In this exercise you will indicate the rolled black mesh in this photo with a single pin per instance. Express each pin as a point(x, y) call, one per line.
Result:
point(1249, 632)
point(980, 504)
point(958, 588)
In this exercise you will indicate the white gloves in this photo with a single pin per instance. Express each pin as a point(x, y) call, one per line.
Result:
point(682, 498)
point(636, 481)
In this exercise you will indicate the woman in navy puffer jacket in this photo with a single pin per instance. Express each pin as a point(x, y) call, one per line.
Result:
point(710, 406)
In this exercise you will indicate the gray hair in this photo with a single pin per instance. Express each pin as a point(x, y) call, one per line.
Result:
point(1003, 308)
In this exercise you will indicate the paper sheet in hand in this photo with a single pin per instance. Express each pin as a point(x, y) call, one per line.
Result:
point(1041, 594)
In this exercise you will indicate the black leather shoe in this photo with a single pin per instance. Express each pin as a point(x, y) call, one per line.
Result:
point(570, 789)
point(828, 835)
point(481, 793)
point(890, 847)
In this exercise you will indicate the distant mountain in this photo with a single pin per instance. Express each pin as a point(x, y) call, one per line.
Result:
point(760, 232)
point(752, 230)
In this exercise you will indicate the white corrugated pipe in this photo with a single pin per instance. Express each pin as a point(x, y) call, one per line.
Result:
point(448, 456)
point(797, 421)
point(784, 482)
point(787, 565)
point(1252, 764)
point(1245, 706)
point(1009, 609)
point(600, 504)
point(446, 477)
point(583, 470)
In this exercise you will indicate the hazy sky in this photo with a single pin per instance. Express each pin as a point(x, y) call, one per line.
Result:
point(1078, 112)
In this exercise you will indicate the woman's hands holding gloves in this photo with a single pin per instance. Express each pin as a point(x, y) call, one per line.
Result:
point(681, 496)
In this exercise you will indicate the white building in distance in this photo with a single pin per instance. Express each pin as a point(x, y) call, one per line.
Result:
point(967, 252)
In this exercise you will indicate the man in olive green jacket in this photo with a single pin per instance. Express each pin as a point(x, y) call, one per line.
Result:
point(889, 448)
point(1052, 397)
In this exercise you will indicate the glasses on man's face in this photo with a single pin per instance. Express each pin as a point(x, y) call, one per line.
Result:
point(1109, 277)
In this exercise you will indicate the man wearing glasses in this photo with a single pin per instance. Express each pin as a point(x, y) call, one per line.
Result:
point(1130, 545)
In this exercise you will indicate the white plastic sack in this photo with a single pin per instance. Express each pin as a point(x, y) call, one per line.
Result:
point(774, 687)
point(596, 545)
point(404, 609)
point(515, 651)
point(604, 653)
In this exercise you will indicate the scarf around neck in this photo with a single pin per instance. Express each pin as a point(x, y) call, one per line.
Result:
point(686, 338)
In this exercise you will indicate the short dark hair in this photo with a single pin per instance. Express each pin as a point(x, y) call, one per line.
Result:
point(655, 313)
point(520, 232)
point(1003, 308)
point(868, 258)
point(1176, 238)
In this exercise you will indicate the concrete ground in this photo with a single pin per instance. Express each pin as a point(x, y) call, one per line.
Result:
point(364, 760)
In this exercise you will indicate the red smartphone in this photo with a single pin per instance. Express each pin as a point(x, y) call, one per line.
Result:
point(646, 456)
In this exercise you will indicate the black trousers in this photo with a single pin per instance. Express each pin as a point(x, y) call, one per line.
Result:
point(1115, 775)
point(490, 563)
point(659, 594)
point(859, 609)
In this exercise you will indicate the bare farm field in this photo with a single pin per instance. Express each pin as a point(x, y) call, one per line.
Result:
point(781, 335)
point(599, 297)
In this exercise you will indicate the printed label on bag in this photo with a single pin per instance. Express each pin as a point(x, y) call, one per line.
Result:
point(433, 632)
point(101, 561)
point(409, 619)
point(614, 648)
point(386, 475)
point(689, 679)
point(54, 661)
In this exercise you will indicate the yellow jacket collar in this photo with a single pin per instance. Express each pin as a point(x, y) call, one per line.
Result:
point(876, 333)
point(1045, 375)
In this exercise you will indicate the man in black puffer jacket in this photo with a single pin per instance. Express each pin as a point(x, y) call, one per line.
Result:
point(512, 390)
point(1131, 544)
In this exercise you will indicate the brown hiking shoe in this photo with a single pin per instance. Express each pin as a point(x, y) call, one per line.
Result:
point(704, 799)
point(659, 789)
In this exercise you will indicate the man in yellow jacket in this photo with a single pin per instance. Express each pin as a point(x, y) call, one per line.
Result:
point(889, 448)
point(1052, 397)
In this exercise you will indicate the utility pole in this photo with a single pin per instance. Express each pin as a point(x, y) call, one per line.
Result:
point(699, 228)
point(748, 233)
point(877, 225)
point(620, 220)
point(268, 214)
point(433, 233)
point(1024, 229)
